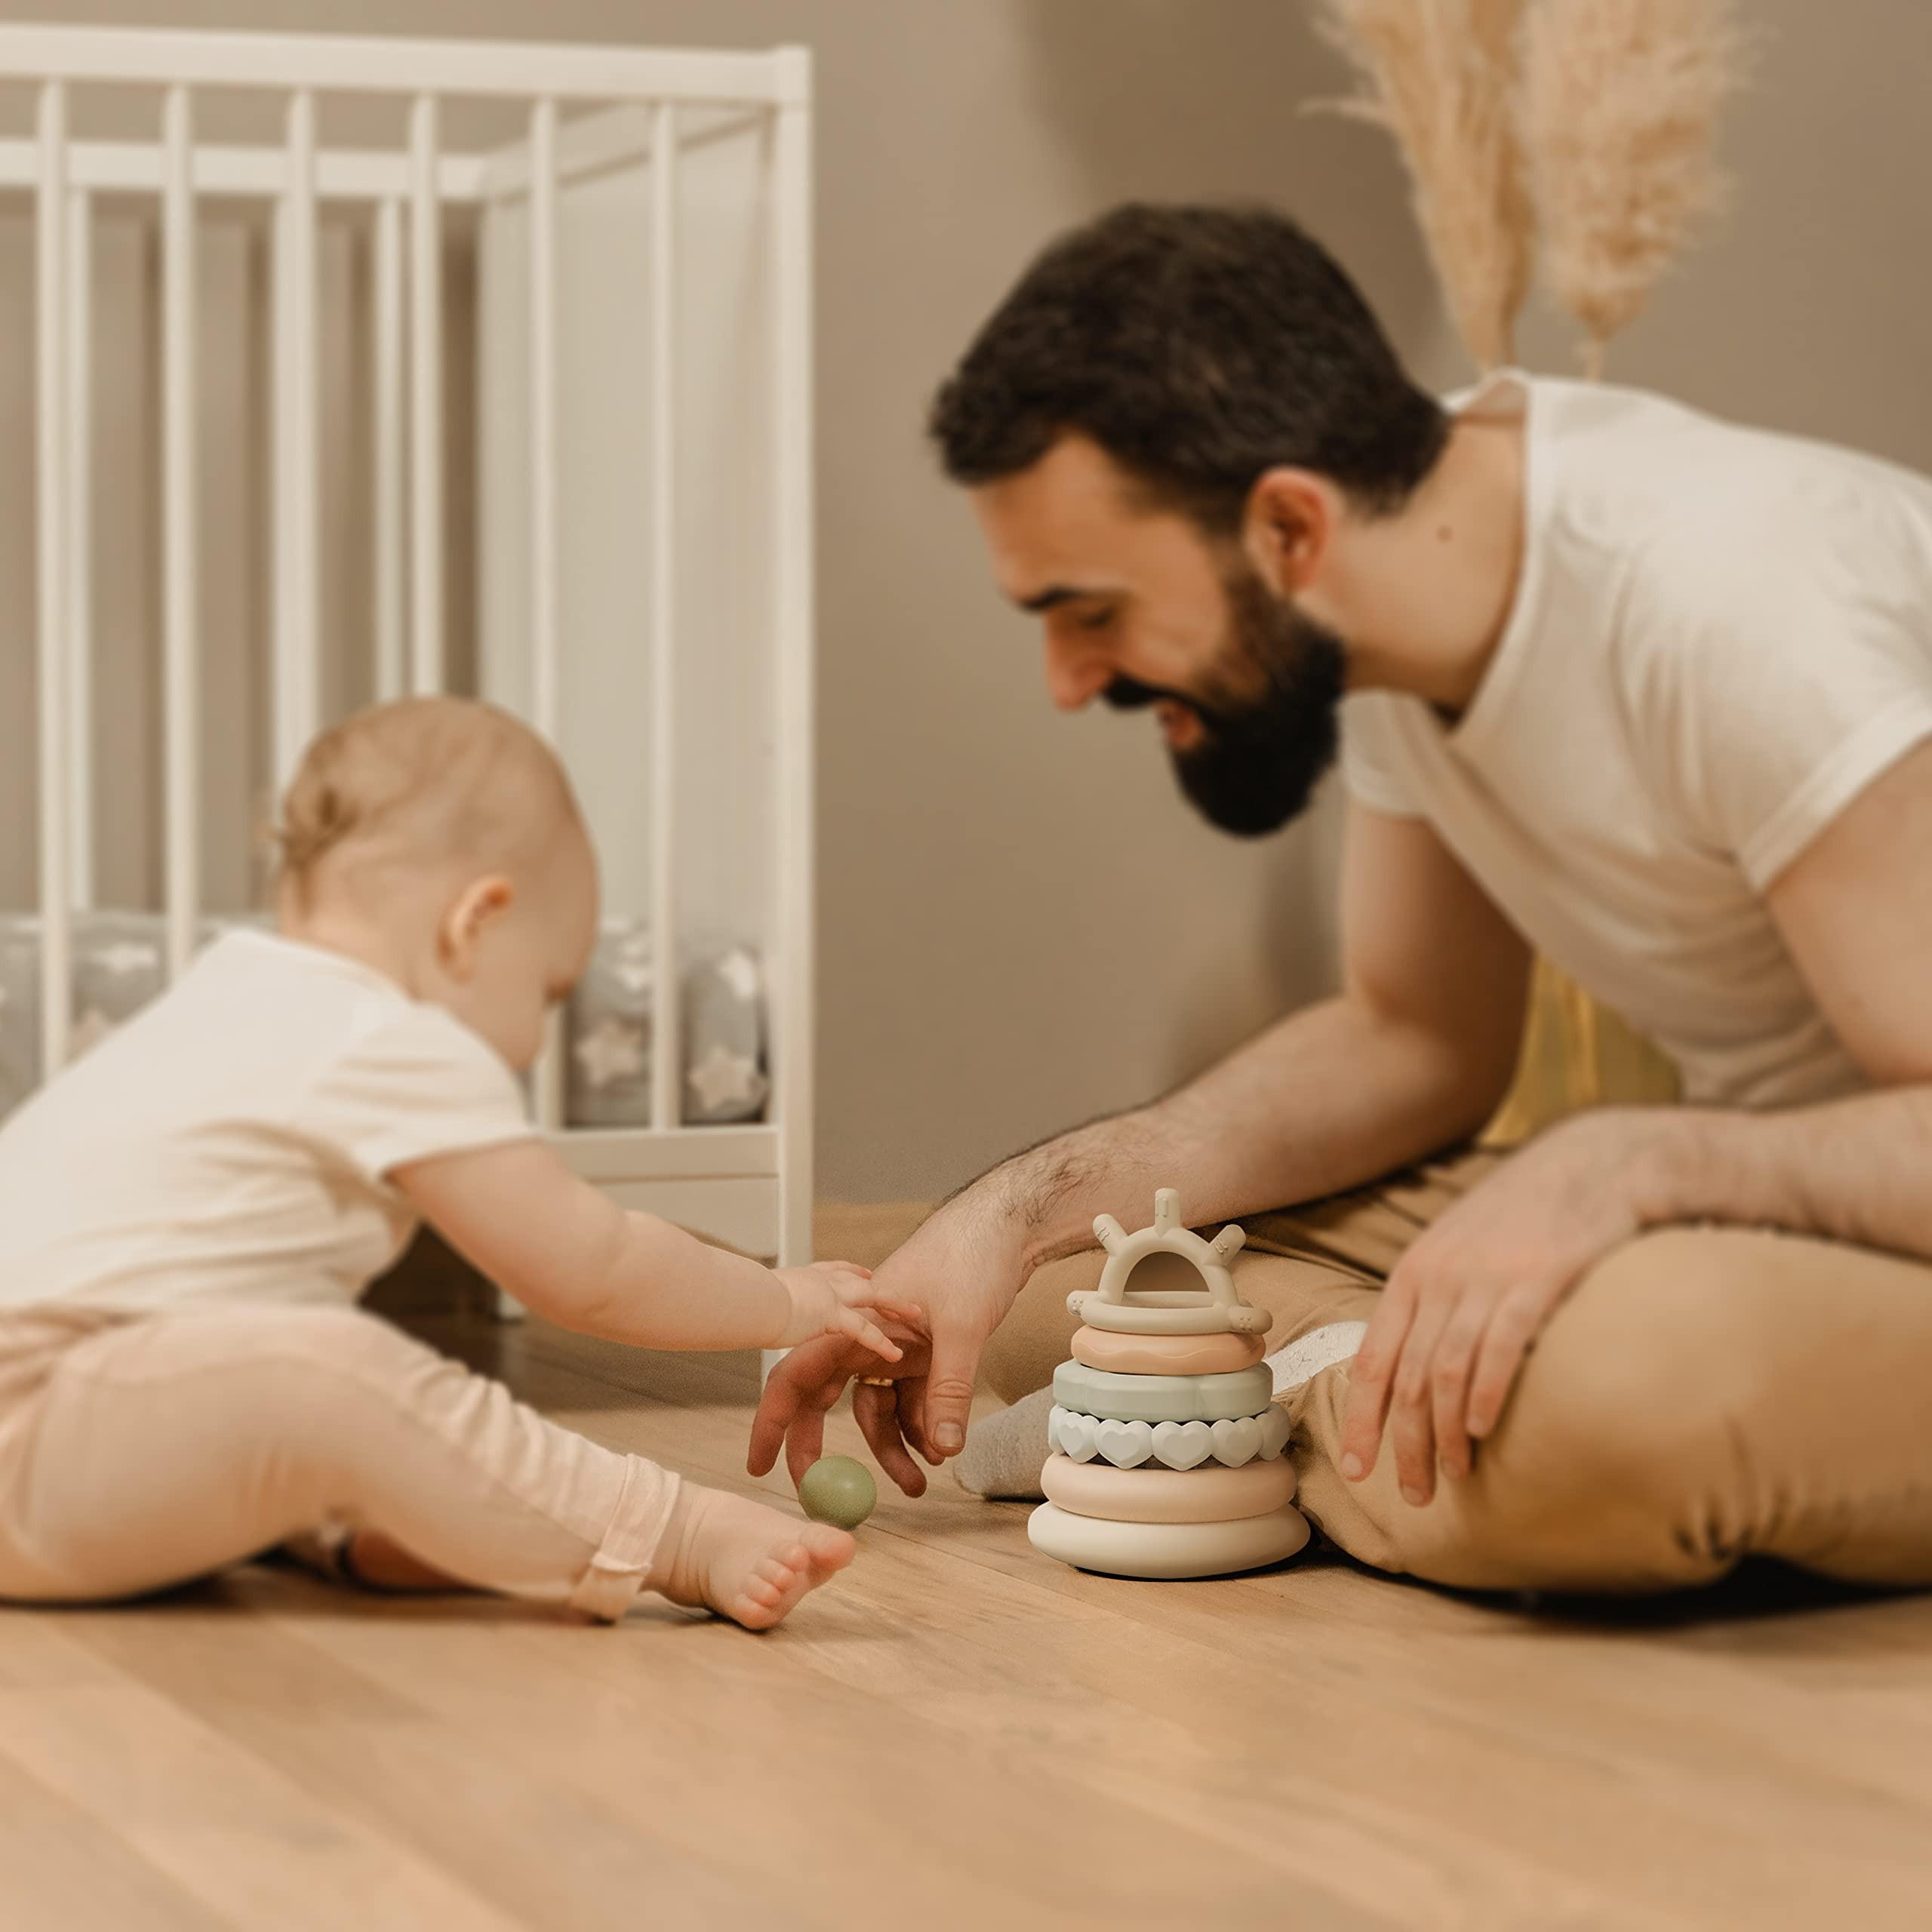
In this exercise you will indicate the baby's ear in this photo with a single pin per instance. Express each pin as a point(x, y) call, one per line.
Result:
point(472, 909)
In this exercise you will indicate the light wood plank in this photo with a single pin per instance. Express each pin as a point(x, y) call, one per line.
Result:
point(555, 1858)
point(60, 1867)
point(224, 1826)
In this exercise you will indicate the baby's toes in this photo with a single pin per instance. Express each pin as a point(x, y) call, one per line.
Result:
point(764, 1592)
point(827, 1550)
point(751, 1614)
point(779, 1570)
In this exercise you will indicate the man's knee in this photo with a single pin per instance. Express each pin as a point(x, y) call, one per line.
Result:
point(1668, 1333)
point(1617, 1462)
point(1702, 1395)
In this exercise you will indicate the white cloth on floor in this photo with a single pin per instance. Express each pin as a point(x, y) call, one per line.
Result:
point(1305, 1359)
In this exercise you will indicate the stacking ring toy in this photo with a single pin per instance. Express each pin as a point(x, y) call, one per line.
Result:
point(1169, 1451)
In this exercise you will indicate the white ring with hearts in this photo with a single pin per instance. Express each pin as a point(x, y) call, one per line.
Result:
point(1175, 1445)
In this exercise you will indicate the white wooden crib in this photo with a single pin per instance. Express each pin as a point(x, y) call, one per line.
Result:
point(453, 365)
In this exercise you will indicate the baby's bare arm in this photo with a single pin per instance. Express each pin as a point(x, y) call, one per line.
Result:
point(569, 1254)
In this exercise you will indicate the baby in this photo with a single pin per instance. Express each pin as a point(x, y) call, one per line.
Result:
point(188, 1215)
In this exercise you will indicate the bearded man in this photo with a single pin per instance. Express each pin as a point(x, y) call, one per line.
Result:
point(1609, 680)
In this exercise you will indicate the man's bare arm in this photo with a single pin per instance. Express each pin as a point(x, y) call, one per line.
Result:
point(1856, 910)
point(1857, 1171)
point(1415, 1053)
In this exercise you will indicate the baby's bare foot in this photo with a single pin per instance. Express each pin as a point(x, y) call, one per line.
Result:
point(746, 1562)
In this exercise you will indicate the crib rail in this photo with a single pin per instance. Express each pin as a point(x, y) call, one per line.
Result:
point(349, 64)
point(627, 101)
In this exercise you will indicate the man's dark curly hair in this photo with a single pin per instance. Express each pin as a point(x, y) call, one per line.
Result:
point(1199, 346)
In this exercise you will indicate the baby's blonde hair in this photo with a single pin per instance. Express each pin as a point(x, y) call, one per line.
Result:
point(426, 781)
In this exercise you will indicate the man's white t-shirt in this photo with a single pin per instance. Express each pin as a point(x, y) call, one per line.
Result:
point(233, 1140)
point(1720, 637)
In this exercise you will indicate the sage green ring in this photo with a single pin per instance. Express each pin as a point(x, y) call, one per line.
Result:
point(1226, 1397)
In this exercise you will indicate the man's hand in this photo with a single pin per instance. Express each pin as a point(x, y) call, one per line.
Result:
point(960, 1272)
point(803, 1388)
point(1464, 1304)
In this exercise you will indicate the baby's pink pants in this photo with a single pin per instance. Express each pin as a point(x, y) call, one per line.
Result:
point(138, 1452)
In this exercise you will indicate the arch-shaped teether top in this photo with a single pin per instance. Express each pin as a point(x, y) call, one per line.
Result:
point(1215, 1308)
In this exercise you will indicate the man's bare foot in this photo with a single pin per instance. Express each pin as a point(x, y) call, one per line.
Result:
point(746, 1562)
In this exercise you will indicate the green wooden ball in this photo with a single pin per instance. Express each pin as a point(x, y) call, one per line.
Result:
point(838, 1490)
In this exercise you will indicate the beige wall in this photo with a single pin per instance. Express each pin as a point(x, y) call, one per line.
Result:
point(1021, 925)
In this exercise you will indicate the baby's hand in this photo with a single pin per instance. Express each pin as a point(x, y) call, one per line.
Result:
point(835, 1298)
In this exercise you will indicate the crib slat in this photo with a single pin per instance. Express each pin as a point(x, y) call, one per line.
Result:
point(298, 655)
point(181, 624)
point(667, 1050)
point(426, 397)
point(791, 975)
point(386, 362)
point(80, 547)
point(543, 504)
point(52, 352)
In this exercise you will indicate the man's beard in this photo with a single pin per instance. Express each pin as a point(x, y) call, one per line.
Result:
point(1261, 755)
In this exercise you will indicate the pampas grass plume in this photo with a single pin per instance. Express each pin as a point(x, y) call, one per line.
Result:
point(1440, 75)
point(1621, 99)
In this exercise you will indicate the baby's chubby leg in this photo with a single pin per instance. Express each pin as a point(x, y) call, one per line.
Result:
point(718, 1552)
point(167, 1448)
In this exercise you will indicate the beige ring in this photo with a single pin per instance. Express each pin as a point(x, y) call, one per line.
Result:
point(875, 1382)
point(1166, 1354)
point(1210, 1495)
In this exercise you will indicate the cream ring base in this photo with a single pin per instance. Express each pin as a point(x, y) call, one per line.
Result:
point(1166, 1549)
point(1165, 1355)
point(1210, 1495)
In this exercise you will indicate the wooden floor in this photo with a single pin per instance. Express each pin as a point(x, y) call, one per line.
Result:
point(962, 1734)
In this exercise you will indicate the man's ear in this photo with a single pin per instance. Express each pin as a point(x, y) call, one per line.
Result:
point(466, 918)
point(1287, 526)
